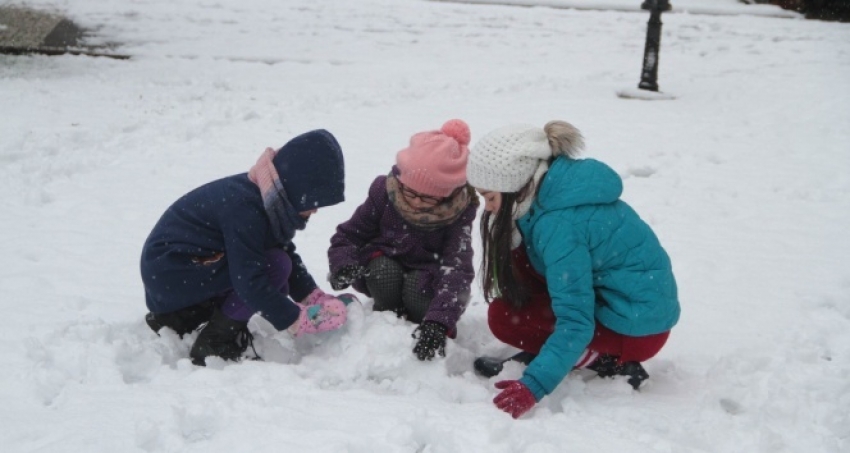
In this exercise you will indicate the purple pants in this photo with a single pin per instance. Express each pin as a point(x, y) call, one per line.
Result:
point(280, 267)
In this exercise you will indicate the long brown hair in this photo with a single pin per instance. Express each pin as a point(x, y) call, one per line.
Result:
point(498, 276)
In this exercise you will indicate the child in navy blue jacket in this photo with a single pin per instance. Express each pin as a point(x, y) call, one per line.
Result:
point(224, 252)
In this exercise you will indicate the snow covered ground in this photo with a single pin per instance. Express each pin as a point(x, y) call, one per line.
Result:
point(745, 177)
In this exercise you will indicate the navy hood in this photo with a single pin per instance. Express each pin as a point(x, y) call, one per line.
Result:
point(312, 170)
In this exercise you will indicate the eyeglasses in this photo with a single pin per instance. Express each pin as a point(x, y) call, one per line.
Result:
point(425, 199)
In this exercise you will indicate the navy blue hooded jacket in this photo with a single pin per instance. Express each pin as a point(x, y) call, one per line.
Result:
point(214, 239)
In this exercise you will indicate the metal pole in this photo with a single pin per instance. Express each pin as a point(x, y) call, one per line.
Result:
point(649, 74)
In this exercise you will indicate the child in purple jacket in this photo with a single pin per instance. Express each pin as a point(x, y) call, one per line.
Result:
point(409, 245)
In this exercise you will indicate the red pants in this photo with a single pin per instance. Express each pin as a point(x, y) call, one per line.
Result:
point(529, 327)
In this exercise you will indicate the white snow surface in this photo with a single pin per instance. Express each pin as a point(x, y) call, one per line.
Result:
point(745, 177)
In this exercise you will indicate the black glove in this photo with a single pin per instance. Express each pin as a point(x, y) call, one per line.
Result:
point(345, 275)
point(432, 340)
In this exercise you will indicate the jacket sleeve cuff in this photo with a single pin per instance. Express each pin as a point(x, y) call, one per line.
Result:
point(284, 317)
point(535, 387)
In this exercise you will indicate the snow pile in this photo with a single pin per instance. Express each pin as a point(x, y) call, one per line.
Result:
point(744, 176)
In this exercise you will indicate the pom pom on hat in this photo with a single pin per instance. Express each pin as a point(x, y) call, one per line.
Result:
point(435, 162)
point(457, 130)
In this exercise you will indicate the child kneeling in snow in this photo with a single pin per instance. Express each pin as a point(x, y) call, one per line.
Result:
point(574, 277)
point(409, 245)
point(224, 251)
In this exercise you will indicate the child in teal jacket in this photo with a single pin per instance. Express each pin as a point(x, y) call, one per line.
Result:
point(587, 284)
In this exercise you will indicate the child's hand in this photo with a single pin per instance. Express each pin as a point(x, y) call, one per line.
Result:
point(343, 277)
point(432, 340)
point(320, 313)
point(515, 398)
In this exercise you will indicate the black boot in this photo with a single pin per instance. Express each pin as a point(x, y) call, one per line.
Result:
point(609, 366)
point(222, 337)
point(182, 321)
point(491, 366)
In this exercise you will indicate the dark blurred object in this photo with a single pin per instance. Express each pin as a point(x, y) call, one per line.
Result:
point(26, 30)
point(833, 10)
point(664, 5)
point(649, 73)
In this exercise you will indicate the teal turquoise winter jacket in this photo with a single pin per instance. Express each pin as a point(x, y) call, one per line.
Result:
point(601, 262)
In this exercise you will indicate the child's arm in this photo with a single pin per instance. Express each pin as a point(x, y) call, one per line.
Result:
point(301, 283)
point(456, 273)
point(362, 227)
point(244, 243)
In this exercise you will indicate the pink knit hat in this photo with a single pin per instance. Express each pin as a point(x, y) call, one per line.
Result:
point(435, 162)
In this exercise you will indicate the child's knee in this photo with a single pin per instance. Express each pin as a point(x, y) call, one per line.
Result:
point(384, 282)
point(502, 319)
point(417, 300)
point(385, 268)
point(386, 276)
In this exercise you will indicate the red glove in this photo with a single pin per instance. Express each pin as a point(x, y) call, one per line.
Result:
point(515, 399)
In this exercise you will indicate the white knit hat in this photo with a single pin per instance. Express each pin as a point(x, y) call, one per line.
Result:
point(505, 159)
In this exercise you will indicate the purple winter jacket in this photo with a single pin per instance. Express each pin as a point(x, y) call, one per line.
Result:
point(377, 228)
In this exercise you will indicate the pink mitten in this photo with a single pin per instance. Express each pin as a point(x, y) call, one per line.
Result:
point(318, 294)
point(319, 314)
point(313, 298)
